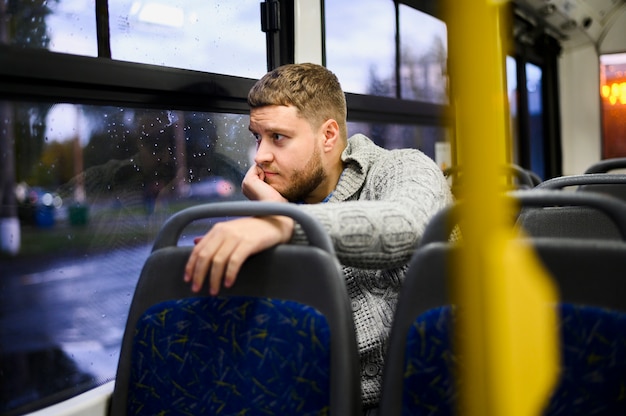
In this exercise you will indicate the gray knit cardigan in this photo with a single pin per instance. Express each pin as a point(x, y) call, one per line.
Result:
point(387, 197)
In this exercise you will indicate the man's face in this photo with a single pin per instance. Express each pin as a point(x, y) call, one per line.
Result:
point(288, 151)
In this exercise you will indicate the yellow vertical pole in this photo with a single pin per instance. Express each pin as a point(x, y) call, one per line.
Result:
point(499, 290)
point(475, 92)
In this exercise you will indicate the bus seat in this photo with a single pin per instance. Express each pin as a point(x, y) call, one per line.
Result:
point(607, 165)
point(581, 220)
point(596, 179)
point(617, 188)
point(420, 362)
point(572, 214)
point(515, 177)
point(420, 330)
point(547, 213)
point(281, 340)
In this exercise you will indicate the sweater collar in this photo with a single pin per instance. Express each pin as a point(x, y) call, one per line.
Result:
point(357, 158)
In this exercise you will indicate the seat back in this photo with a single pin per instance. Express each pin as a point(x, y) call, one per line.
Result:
point(607, 165)
point(418, 377)
point(547, 213)
point(581, 220)
point(514, 177)
point(596, 179)
point(553, 213)
point(281, 339)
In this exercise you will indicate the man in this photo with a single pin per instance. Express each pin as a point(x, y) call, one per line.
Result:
point(373, 202)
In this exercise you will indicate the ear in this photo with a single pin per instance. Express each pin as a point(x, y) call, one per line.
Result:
point(330, 131)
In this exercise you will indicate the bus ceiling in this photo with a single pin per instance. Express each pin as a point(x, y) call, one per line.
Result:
point(573, 22)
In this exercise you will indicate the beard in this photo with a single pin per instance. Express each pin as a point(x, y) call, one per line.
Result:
point(304, 181)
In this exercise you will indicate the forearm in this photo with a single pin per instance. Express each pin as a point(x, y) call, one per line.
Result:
point(369, 234)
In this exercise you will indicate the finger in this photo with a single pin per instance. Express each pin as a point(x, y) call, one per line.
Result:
point(219, 263)
point(236, 260)
point(199, 262)
point(258, 171)
point(202, 265)
point(253, 173)
point(190, 265)
point(251, 181)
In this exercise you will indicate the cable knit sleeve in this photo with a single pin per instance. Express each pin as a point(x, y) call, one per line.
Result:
point(380, 224)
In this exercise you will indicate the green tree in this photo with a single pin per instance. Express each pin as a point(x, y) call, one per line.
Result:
point(26, 22)
point(22, 23)
point(56, 165)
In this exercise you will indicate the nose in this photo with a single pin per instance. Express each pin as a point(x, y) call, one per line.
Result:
point(264, 153)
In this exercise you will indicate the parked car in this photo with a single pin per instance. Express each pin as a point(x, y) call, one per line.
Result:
point(212, 187)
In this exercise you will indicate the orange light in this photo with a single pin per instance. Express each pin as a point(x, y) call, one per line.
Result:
point(615, 89)
point(614, 93)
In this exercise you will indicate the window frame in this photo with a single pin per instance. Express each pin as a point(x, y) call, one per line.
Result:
point(542, 51)
point(43, 76)
point(102, 80)
point(110, 82)
point(394, 110)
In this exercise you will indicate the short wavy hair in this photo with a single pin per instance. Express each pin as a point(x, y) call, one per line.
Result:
point(312, 89)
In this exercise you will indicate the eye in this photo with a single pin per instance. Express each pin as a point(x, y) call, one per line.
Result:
point(257, 137)
point(277, 137)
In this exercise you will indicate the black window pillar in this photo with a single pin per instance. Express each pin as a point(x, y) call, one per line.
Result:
point(278, 24)
point(550, 49)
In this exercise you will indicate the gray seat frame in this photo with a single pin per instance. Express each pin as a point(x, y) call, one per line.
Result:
point(579, 207)
point(585, 272)
point(309, 274)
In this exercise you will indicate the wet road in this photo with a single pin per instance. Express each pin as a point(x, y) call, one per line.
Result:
point(61, 322)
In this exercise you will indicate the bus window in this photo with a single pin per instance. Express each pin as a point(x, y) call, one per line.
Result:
point(94, 185)
point(211, 36)
point(534, 76)
point(511, 85)
point(397, 136)
point(613, 92)
point(49, 25)
point(362, 49)
point(526, 107)
point(360, 45)
point(423, 57)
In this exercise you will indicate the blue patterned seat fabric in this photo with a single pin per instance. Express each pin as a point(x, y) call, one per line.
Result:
point(593, 367)
point(429, 388)
point(593, 372)
point(230, 356)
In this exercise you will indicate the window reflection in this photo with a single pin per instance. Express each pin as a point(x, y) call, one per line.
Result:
point(91, 154)
point(93, 186)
